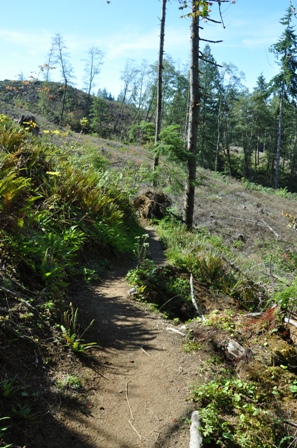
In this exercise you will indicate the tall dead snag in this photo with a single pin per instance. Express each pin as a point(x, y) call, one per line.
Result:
point(92, 68)
point(194, 107)
point(61, 58)
point(199, 8)
point(159, 87)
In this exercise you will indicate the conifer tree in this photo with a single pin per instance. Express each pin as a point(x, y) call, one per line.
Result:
point(285, 83)
point(210, 85)
point(262, 128)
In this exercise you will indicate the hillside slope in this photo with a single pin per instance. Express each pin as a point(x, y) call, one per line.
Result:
point(44, 101)
point(68, 380)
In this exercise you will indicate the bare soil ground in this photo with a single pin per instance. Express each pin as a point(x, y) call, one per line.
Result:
point(138, 398)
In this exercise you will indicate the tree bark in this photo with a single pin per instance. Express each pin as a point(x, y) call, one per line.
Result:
point(193, 117)
point(216, 167)
point(279, 140)
point(159, 87)
point(63, 102)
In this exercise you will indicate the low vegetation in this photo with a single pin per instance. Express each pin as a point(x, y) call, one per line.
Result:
point(66, 214)
point(248, 398)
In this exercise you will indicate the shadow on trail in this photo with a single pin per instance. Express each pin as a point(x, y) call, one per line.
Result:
point(74, 437)
point(164, 440)
point(119, 323)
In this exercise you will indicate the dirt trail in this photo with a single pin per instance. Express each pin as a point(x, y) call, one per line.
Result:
point(141, 399)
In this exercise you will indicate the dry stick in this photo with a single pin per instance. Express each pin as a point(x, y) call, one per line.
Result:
point(19, 296)
point(294, 439)
point(192, 295)
point(255, 222)
point(134, 429)
point(176, 331)
point(127, 398)
point(131, 414)
point(293, 322)
point(233, 265)
point(273, 276)
point(145, 351)
point(270, 228)
point(174, 297)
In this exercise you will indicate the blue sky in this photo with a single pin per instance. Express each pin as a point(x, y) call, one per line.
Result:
point(129, 29)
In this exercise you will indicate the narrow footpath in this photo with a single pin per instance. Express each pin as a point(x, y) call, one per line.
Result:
point(141, 397)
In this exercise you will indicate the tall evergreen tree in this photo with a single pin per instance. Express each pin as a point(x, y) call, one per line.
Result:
point(285, 83)
point(243, 132)
point(177, 107)
point(263, 125)
point(229, 93)
point(210, 85)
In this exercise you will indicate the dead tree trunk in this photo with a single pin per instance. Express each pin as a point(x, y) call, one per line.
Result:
point(193, 117)
point(159, 87)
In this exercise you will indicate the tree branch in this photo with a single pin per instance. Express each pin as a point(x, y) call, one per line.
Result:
point(211, 41)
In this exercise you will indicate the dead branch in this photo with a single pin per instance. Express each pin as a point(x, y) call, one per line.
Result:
point(145, 351)
point(291, 423)
point(192, 295)
point(235, 349)
point(212, 41)
point(290, 321)
point(18, 296)
point(270, 228)
point(233, 265)
point(134, 429)
point(175, 331)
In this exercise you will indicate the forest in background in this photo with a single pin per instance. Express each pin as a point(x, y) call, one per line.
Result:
point(251, 135)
